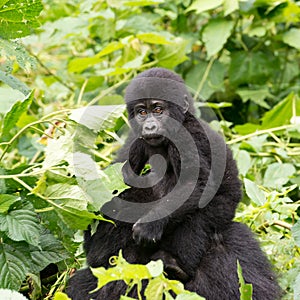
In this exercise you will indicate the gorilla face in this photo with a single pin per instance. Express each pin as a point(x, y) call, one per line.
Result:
point(151, 119)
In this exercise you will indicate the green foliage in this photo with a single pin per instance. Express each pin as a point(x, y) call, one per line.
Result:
point(239, 56)
point(246, 289)
point(158, 286)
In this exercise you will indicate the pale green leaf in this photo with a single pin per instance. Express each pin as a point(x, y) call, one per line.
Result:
point(78, 65)
point(61, 296)
point(12, 117)
point(21, 225)
point(204, 5)
point(112, 47)
point(254, 192)
point(215, 35)
point(142, 2)
point(14, 83)
point(155, 289)
point(296, 233)
point(155, 268)
point(292, 37)
point(98, 117)
point(243, 161)
point(6, 201)
point(230, 6)
point(246, 289)
point(153, 38)
point(278, 174)
point(189, 296)
point(297, 288)
point(14, 264)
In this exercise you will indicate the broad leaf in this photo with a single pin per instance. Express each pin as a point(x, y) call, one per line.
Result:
point(278, 174)
point(243, 161)
point(6, 201)
point(215, 35)
point(292, 38)
point(204, 5)
point(296, 233)
point(254, 192)
point(98, 117)
point(21, 225)
point(14, 83)
point(18, 18)
point(14, 264)
point(13, 116)
point(230, 6)
point(153, 38)
point(258, 96)
point(50, 250)
point(246, 289)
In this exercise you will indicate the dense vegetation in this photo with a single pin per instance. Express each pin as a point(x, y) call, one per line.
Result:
point(240, 58)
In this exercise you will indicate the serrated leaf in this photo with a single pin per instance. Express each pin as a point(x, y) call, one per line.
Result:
point(98, 117)
point(11, 295)
point(18, 18)
point(153, 38)
point(6, 201)
point(50, 250)
point(292, 38)
point(13, 116)
point(76, 219)
point(21, 225)
point(215, 35)
point(278, 174)
point(14, 264)
point(204, 5)
point(254, 192)
point(70, 195)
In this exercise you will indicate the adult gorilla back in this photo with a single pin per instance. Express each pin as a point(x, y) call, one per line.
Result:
point(182, 210)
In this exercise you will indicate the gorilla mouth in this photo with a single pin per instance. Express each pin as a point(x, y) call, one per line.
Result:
point(153, 138)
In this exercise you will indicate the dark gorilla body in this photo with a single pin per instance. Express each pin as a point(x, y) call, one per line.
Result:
point(197, 241)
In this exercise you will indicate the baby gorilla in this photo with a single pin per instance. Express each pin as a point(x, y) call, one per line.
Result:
point(182, 209)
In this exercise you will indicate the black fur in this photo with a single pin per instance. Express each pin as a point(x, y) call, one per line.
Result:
point(199, 245)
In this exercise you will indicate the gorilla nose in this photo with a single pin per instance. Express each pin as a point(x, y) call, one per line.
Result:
point(150, 128)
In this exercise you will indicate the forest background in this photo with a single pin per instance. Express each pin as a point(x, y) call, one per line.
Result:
point(58, 59)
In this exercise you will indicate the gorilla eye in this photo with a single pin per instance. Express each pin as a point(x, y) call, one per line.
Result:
point(142, 112)
point(158, 110)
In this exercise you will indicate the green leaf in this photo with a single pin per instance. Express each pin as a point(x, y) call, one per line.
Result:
point(77, 65)
point(11, 295)
point(204, 5)
point(76, 219)
point(230, 6)
point(70, 195)
point(6, 201)
point(153, 38)
point(14, 83)
point(215, 35)
point(243, 161)
point(258, 96)
point(14, 264)
point(292, 38)
point(21, 225)
point(50, 250)
point(296, 233)
point(278, 174)
point(112, 47)
point(8, 97)
point(254, 192)
point(13, 116)
point(155, 289)
point(98, 117)
point(246, 128)
point(173, 54)
point(142, 2)
point(155, 268)
point(246, 289)
point(251, 67)
point(189, 296)
point(281, 113)
point(18, 18)
point(61, 296)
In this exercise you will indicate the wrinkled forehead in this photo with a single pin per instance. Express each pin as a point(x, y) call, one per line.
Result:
point(156, 88)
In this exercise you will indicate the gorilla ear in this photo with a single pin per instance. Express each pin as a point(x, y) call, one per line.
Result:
point(186, 104)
